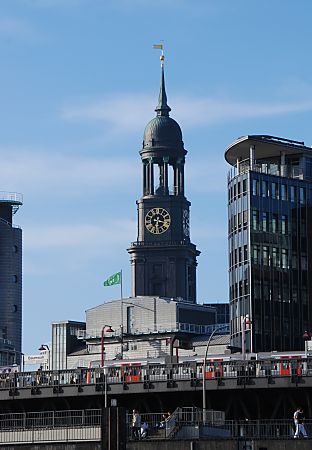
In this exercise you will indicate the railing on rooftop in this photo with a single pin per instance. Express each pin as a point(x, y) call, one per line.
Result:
point(160, 328)
point(11, 197)
point(269, 168)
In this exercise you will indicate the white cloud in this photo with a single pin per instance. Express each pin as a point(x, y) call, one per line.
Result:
point(122, 112)
point(64, 175)
point(125, 113)
point(80, 237)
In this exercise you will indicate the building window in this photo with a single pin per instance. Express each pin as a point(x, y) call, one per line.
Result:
point(275, 257)
point(284, 258)
point(284, 225)
point(294, 261)
point(264, 188)
point(284, 192)
point(295, 296)
point(304, 296)
point(292, 194)
point(255, 254)
point(244, 186)
point(255, 187)
point(303, 261)
point(302, 195)
point(274, 223)
point(245, 252)
point(255, 219)
point(265, 255)
point(265, 223)
point(274, 190)
point(240, 218)
point(240, 254)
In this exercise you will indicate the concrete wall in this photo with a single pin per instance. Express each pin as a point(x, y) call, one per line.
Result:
point(148, 315)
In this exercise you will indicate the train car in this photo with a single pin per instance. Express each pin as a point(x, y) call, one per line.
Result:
point(290, 365)
point(131, 372)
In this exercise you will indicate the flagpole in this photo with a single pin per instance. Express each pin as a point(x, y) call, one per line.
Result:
point(121, 315)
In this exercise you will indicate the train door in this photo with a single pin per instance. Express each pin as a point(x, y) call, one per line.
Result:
point(214, 368)
point(290, 366)
point(284, 366)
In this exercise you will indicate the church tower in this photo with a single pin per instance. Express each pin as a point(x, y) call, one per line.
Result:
point(163, 259)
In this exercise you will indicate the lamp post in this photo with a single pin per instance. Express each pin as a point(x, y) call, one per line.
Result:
point(245, 320)
point(105, 329)
point(204, 367)
point(45, 348)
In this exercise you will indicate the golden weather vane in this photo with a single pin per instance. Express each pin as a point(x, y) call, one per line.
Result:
point(162, 56)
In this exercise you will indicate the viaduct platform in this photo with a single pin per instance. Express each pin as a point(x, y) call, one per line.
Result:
point(252, 389)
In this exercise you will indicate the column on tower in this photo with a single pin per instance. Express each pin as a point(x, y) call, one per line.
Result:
point(179, 177)
point(151, 176)
point(181, 184)
point(145, 177)
point(165, 165)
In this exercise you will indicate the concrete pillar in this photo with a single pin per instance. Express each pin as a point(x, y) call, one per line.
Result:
point(283, 165)
point(114, 429)
point(251, 157)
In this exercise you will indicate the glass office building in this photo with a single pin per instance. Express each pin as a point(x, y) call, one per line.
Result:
point(270, 245)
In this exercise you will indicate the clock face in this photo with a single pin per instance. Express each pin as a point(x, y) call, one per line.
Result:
point(186, 222)
point(157, 220)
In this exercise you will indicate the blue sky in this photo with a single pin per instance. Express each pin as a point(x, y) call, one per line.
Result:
point(79, 81)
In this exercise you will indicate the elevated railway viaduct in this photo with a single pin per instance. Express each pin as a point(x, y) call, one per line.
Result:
point(248, 390)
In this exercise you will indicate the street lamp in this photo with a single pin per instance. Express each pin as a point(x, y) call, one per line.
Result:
point(245, 320)
point(105, 329)
point(45, 348)
point(204, 367)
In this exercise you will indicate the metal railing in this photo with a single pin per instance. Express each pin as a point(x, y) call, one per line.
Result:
point(124, 372)
point(268, 168)
point(169, 327)
point(50, 426)
point(13, 197)
point(187, 423)
point(50, 419)
point(182, 424)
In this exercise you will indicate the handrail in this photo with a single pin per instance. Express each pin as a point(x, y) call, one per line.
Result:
point(11, 197)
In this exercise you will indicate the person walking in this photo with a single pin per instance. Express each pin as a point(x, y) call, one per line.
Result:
point(136, 424)
point(298, 420)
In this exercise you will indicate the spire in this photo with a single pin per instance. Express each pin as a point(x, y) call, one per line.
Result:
point(162, 108)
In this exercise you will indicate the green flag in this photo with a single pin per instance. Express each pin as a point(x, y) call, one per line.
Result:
point(113, 279)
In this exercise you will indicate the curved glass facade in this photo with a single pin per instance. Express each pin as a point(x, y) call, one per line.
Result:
point(270, 251)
